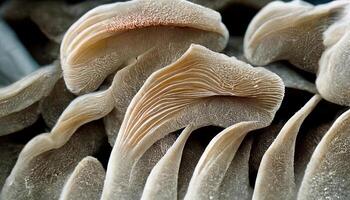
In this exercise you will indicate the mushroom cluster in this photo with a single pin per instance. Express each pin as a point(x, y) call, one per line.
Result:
point(141, 104)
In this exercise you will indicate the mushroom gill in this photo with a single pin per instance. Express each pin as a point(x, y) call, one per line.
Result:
point(202, 87)
point(109, 37)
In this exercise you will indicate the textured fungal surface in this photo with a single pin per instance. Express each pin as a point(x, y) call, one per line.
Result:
point(174, 99)
point(194, 83)
point(110, 36)
point(315, 39)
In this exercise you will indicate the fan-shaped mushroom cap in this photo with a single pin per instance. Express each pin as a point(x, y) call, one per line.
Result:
point(277, 165)
point(19, 101)
point(190, 90)
point(110, 36)
point(327, 174)
point(85, 182)
point(290, 31)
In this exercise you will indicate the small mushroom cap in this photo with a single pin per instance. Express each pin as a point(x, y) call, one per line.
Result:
point(107, 37)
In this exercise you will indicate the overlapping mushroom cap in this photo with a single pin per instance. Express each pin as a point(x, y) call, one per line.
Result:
point(313, 38)
point(110, 36)
point(203, 88)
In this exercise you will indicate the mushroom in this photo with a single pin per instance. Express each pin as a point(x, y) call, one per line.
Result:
point(277, 164)
point(326, 175)
point(120, 39)
point(314, 39)
point(112, 36)
point(85, 182)
point(43, 175)
point(19, 101)
point(189, 90)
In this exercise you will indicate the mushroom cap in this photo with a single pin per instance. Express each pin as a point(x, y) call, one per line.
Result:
point(202, 87)
point(107, 37)
point(290, 31)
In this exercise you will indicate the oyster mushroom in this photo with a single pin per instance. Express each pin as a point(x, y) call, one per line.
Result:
point(315, 39)
point(326, 175)
point(120, 39)
point(85, 182)
point(42, 176)
point(19, 101)
point(198, 84)
point(268, 38)
point(109, 37)
point(277, 164)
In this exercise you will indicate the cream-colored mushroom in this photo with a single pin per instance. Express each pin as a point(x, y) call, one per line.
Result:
point(85, 182)
point(269, 38)
point(326, 175)
point(315, 39)
point(277, 165)
point(112, 36)
point(190, 90)
point(19, 101)
point(43, 175)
